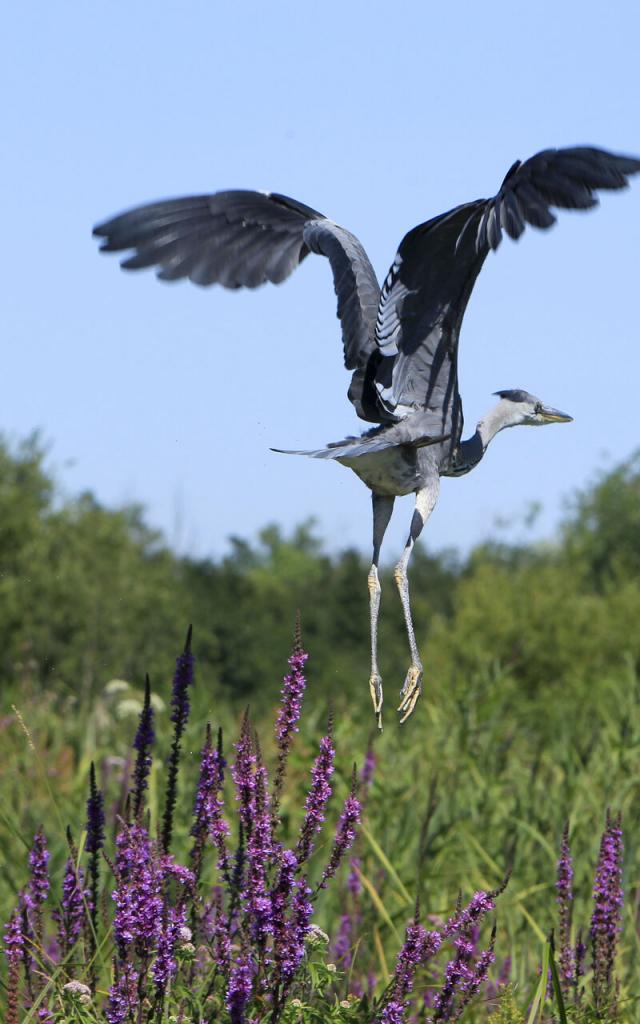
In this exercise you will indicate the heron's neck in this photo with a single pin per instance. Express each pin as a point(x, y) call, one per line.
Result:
point(474, 447)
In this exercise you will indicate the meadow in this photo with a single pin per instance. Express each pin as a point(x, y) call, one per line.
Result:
point(529, 725)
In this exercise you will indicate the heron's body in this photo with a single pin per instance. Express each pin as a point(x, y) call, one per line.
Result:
point(400, 340)
point(395, 471)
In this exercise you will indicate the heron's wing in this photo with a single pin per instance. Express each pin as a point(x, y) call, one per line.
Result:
point(242, 239)
point(426, 291)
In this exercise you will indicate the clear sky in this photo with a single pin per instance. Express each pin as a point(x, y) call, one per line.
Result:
point(379, 115)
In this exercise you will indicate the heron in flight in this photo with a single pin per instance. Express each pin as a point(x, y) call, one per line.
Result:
point(400, 341)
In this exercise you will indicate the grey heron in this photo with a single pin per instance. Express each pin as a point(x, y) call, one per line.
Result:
point(400, 340)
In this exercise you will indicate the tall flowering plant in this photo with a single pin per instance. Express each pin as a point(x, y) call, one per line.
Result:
point(230, 951)
point(604, 927)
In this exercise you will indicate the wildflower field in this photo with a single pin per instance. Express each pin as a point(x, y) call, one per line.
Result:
point(168, 855)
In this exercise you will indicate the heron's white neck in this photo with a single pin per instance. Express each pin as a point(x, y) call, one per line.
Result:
point(502, 415)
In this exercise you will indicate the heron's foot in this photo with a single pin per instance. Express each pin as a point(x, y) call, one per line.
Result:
point(410, 691)
point(375, 689)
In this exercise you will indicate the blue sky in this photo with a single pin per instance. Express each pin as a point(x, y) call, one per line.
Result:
point(379, 115)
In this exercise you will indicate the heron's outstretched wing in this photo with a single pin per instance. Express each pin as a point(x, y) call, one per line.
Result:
point(426, 291)
point(242, 239)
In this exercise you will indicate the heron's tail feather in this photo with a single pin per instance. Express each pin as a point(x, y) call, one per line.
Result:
point(376, 441)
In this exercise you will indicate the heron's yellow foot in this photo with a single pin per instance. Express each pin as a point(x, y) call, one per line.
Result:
point(375, 689)
point(410, 691)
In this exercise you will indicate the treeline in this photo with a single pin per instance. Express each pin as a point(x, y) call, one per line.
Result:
point(88, 594)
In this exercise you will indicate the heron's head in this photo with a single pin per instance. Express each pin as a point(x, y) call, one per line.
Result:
point(520, 408)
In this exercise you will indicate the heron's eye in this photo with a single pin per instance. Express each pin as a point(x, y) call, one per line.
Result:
point(537, 408)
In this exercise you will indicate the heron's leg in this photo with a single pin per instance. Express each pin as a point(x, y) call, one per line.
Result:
point(382, 509)
point(425, 501)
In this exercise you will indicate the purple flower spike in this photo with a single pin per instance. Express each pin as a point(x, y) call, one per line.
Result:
point(564, 899)
point(345, 834)
point(343, 943)
point(123, 994)
point(14, 948)
point(240, 987)
point(39, 884)
point(479, 905)
point(138, 894)
point(477, 975)
point(291, 951)
point(208, 822)
point(220, 932)
point(14, 936)
point(368, 768)
point(259, 852)
point(93, 845)
point(419, 946)
point(317, 797)
point(608, 899)
point(244, 772)
point(289, 712)
point(144, 740)
point(281, 896)
point(165, 965)
point(70, 916)
point(182, 680)
point(95, 815)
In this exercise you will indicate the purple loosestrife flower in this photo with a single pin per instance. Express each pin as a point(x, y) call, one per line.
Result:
point(608, 900)
point(123, 994)
point(354, 882)
point(257, 901)
point(182, 679)
point(477, 976)
point(579, 959)
point(144, 740)
point(504, 975)
point(138, 892)
point(290, 951)
point(14, 948)
point(281, 896)
point(93, 845)
point(345, 834)
point(368, 768)
point(208, 821)
point(564, 899)
point(39, 884)
point(289, 712)
point(461, 979)
point(165, 964)
point(70, 916)
point(244, 776)
point(317, 798)
point(419, 945)
point(95, 815)
point(457, 976)
point(479, 905)
point(240, 987)
point(219, 935)
point(342, 944)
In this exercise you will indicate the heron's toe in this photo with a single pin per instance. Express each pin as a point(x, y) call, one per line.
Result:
point(375, 689)
point(410, 691)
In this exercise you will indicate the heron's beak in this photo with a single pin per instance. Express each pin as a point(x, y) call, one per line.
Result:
point(550, 415)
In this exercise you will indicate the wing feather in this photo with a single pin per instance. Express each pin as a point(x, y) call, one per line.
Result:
point(425, 294)
point(242, 239)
